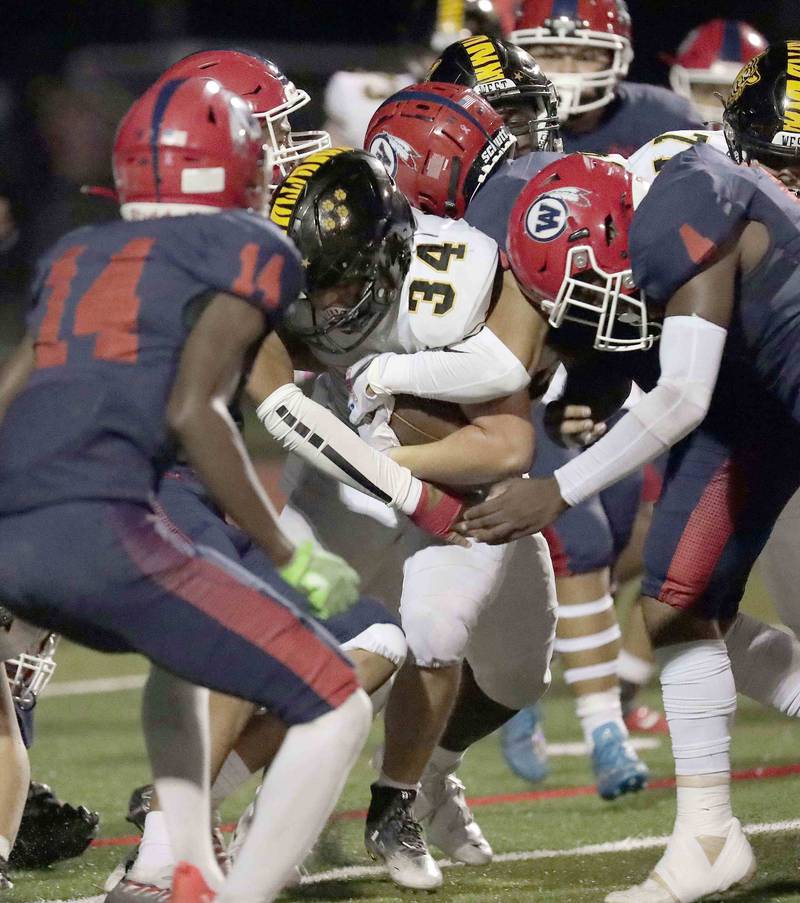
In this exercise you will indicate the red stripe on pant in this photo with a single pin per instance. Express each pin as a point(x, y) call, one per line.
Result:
point(558, 554)
point(242, 609)
point(705, 535)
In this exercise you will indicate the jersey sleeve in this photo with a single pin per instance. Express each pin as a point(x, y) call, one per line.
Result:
point(449, 287)
point(694, 206)
point(244, 255)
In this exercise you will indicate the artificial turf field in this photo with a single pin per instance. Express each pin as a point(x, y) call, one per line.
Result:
point(90, 749)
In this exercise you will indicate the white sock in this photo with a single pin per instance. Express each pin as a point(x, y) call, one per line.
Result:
point(154, 857)
point(292, 808)
point(445, 761)
point(232, 775)
point(596, 709)
point(766, 664)
point(175, 721)
point(633, 669)
point(705, 810)
point(385, 781)
point(5, 847)
point(699, 702)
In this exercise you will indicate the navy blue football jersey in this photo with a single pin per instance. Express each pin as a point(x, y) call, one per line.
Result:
point(114, 305)
point(491, 207)
point(699, 200)
point(637, 114)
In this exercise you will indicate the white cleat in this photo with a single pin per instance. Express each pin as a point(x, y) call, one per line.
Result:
point(693, 868)
point(442, 810)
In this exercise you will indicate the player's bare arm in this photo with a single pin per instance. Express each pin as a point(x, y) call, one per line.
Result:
point(498, 442)
point(210, 367)
point(15, 372)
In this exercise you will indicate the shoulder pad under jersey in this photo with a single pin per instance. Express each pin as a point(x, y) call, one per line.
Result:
point(647, 162)
point(448, 288)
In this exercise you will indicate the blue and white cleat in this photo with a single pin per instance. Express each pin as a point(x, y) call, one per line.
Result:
point(523, 744)
point(617, 768)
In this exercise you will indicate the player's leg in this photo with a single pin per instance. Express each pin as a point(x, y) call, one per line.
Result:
point(224, 629)
point(14, 778)
point(507, 667)
point(721, 497)
point(779, 564)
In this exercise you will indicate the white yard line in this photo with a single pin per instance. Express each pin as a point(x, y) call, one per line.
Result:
point(358, 872)
point(563, 750)
point(94, 685)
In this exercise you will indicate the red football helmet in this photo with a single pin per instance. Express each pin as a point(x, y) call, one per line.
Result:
point(573, 25)
point(272, 98)
point(188, 142)
point(440, 142)
point(708, 61)
point(568, 248)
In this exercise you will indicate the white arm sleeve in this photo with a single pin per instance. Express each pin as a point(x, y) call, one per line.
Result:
point(690, 354)
point(477, 369)
point(313, 432)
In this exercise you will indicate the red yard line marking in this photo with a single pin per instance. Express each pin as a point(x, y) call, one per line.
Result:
point(527, 796)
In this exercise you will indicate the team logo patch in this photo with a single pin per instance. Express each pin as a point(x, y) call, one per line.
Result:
point(391, 150)
point(546, 218)
point(748, 75)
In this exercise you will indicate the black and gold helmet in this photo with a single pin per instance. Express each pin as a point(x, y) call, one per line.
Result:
point(352, 226)
point(762, 112)
point(509, 79)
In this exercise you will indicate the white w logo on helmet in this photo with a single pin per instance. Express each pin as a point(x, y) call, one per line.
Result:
point(546, 218)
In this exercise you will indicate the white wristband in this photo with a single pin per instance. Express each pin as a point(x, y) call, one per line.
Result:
point(303, 426)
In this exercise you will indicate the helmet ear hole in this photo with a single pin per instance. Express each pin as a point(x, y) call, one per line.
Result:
point(610, 229)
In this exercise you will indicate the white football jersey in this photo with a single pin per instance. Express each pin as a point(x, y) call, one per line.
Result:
point(352, 97)
point(445, 297)
point(646, 162)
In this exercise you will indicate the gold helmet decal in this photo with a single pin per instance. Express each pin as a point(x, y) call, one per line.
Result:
point(791, 114)
point(290, 189)
point(748, 75)
point(483, 56)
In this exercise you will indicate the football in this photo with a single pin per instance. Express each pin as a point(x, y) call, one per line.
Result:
point(416, 421)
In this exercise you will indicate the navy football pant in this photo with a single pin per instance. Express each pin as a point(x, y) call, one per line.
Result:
point(725, 486)
point(592, 535)
point(109, 576)
point(188, 507)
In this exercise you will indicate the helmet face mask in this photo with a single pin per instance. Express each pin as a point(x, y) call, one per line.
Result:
point(28, 655)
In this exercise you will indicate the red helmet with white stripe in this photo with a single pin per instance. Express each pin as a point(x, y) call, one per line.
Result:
point(708, 61)
point(188, 142)
point(575, 29)
point(272, 98)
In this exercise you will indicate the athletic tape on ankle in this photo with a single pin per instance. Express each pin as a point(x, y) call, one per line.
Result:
point(584, 609)
point(590, 672)
point(593, 641)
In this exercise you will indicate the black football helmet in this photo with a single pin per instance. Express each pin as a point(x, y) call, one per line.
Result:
point(509, 79)
point(352, 226)
point(762, 113)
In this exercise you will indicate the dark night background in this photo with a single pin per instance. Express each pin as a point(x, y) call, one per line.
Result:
point(68, 71)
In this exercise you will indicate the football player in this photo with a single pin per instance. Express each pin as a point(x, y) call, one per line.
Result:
point(584, 46)
point(412, 133)
point(140, 331)
point(709, 59)
point(723, 401)
point(370, 293)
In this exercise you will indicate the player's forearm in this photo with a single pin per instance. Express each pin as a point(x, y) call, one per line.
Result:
point(215, 449)
point(473, 455)
point(478, 369)
point(15, 371)
point(690, 355)
point(305, 427)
